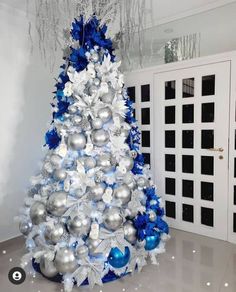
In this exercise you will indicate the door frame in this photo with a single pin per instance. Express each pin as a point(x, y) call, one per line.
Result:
point(141, 76)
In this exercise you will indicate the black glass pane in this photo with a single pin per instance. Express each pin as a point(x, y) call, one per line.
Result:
point(147, 158)
point(234, 167)
point(187, 188)
point(170, 186)
point(131, 93)
point(170, 162)
point(188, 87)
point(134, 113)
point(207, 139)
point(170, 114)
point(235, 140)
point(207, 191)
point(145, 113)
point(187, 163)
point(188, 113)
point(187, 139)
point(234, 223)
point(207, 165)
point(170, 89)
point(208, 112)
point(208, 85)
point(170, 209)
point(145, 138)
point(145, 92)
point(169, 139)
point(234, 195)
point(207, 216)
point(187, 214)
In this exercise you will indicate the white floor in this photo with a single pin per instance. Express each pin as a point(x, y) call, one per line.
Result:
point(192, 263)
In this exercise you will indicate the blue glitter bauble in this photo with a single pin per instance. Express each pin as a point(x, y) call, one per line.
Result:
point(117, 259)
point(152, 241)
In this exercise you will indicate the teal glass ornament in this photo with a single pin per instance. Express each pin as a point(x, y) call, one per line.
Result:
point(152, 241)
point(117, 259)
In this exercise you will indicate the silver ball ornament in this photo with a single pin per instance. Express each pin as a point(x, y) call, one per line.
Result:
point(123, 193)
point(79, 225)
point(77, 141)
point(94, 57)
point(65, 261)
point(38, 213)
point(57, 203)
point(77, 119)
point(47, 267)
point(112, 218)
point(105, 114)
point(97, 191)
point(25, 227)
point(72, 109)
point(101, 206)
point(142, 182)
point(93, 89)
point(89, 162)
point(96, 81)
point(129, 180)
point(107, 97)
point(55, 160)
point(99, 137)
point(81, 251)
point(97, 123)
point(60, 174)
point(130, 232)
point(55, 233)
point(128, 162)
point(152, 216)
point(104, 161)
point(92, 245)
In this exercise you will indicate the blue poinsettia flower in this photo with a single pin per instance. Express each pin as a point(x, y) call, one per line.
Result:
point(62, 108)
point(78, 58)
point(162, 225)
point(77, 30)
point(52, 139)
point(138, 164)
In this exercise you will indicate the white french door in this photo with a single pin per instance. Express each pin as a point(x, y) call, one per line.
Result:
point(191, 146)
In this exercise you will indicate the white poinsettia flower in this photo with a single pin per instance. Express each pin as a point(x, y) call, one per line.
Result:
point(119, 107)
point(68, 90)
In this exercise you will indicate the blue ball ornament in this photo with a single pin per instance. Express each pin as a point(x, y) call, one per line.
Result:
point(117, 259)
point(152, 241)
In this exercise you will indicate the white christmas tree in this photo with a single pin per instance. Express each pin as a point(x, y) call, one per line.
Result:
point(92, 214)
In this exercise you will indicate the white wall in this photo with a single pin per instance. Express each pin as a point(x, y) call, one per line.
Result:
point(26, 87)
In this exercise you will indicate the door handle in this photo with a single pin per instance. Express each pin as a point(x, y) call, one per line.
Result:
point(220, 149)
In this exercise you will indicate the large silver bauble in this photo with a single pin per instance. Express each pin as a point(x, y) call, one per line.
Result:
point(65, 261)
point(38, 213)
point(128, 162)
point(77, 119)
point(99, 137)
point(129, 180)
point(25, 227)
point(47, 267)
point(96, 81)
point(60, 174)
point(89, 162)
point(57, 203)
point(107, 97)
point(77, 141)
point(55, 160)
point(72, 109)
point(79, 225)
point(55, 233)
point(94, 57)
point(97, 123)
point(81, 251)
point(105, 114)
point(92, 245)
point(122, 193)
point(93, 89)
point(104, 161)
point(130, 232)
point(97, 191)
point(112, 218)
point(142, 182)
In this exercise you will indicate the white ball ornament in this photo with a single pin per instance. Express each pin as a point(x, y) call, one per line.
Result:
point(122, 193)
point(57, 203)
point(105, 114)
point(60, 174)
point(99, 137)
point(47, 267)
point(38, 213)
point(130, 232)
point(77, 141)
point(112, 218)
point(93, 89)
point(97, 123)
point(79, 225)
point(65, 261)
point(96, 81)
